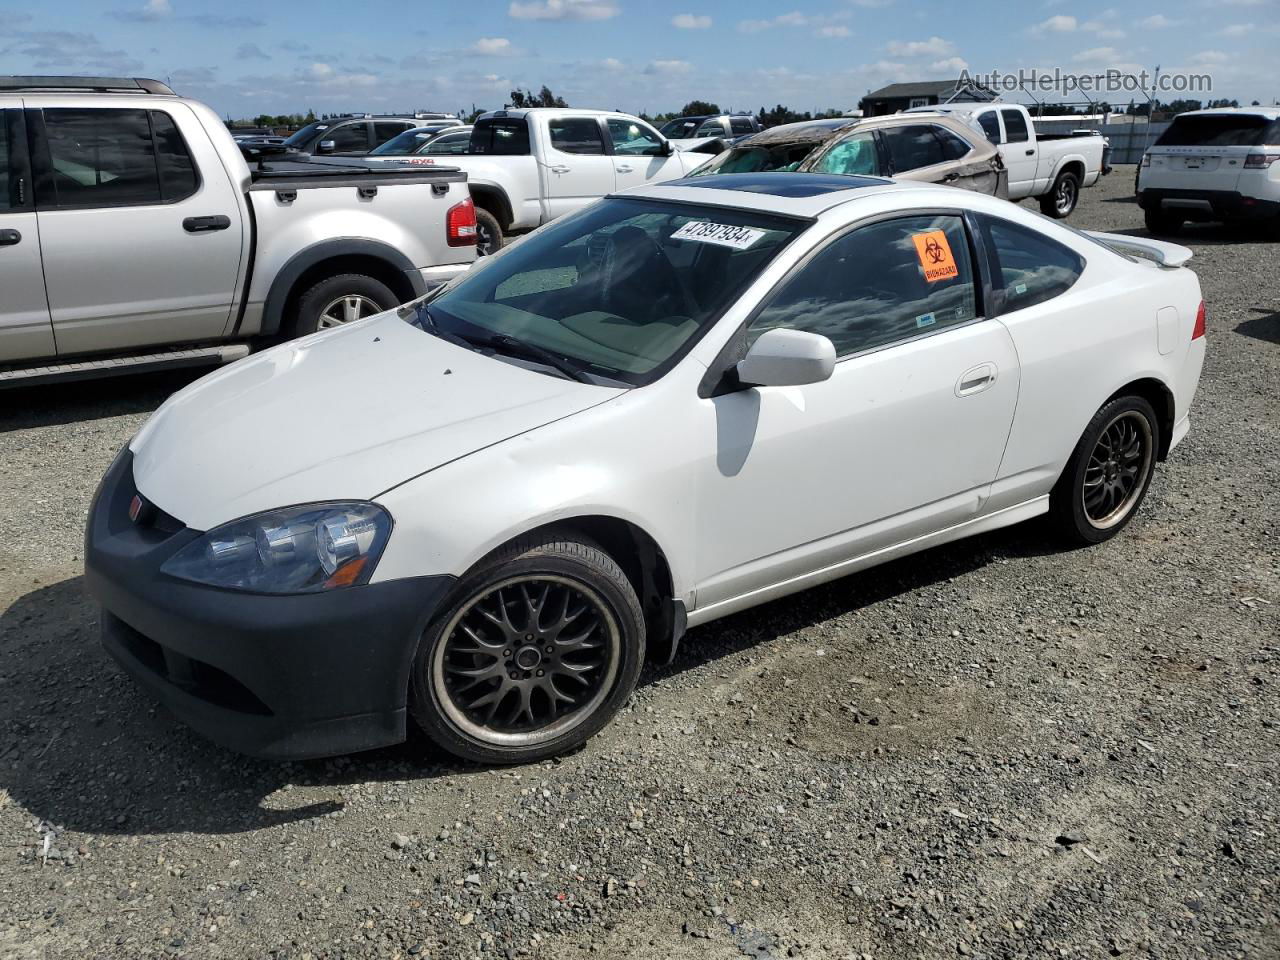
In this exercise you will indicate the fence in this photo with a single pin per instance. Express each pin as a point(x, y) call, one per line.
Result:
point(1128, 139)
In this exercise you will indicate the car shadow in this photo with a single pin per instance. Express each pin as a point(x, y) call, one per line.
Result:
point(1265, 326)
point(78, 401)
point(1203, 234)
point(85, 749)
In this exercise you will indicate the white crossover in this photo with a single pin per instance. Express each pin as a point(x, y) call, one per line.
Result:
point(483, 510)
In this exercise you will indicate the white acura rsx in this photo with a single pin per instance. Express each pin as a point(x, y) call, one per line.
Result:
point(481, 510)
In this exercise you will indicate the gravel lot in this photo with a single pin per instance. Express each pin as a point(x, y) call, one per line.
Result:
point(994, 749)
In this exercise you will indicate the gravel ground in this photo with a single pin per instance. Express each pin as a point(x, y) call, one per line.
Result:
point(993, 749)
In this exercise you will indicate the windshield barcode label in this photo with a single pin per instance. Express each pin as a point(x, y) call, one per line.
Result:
point(740, 238)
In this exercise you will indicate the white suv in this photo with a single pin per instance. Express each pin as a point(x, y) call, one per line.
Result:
point(1213, 165)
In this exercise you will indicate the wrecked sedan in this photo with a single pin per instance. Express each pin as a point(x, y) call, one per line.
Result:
point(482, 511)
point(928, 148)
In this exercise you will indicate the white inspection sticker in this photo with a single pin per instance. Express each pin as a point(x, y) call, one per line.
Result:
point(722, 234)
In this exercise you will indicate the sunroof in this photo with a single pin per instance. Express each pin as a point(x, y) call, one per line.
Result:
point(780, 184)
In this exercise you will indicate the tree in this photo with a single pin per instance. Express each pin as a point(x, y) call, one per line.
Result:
point(543, 98)
point(698, 108)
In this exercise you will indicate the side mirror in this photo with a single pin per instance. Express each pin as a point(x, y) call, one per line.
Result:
point(787, 358)
point(325, 146)
point(666, 149)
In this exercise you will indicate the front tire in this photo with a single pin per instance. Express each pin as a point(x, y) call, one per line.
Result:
point(537, 649)
point(1062, 199)
point(1109, 472)
point(338, 300)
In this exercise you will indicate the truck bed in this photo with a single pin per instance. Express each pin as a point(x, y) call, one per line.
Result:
point(301, 174)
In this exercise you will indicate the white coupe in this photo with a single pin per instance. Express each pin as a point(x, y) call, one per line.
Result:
point(482, 511)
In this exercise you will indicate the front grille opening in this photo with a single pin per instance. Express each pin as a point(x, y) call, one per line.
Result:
point(196, 677)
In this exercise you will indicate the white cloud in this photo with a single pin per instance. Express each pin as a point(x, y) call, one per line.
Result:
point(158, 8)
point(321, 71)
point(1210, 56)
point(833, 30)
point(1102, 30)
point(933, 47)
point(690, 21)
point(1097, 55)
point(493, 47)
point(1157, 22)
point(950, 65)
point(824, 26)
point(1237, 30)
point(668, 66)
point(1061, 23)
point(563, 10)
point(612, 64)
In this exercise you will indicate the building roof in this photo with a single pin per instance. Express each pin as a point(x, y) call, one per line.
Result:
point(924, 88)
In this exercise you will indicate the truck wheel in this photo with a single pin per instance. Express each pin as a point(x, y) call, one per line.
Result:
point(1161, 223)
point(1062, 199)
point(341, 299)
point(536, 650)
point(488, 233)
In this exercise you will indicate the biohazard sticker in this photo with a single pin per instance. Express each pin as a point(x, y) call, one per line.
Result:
point(721, 234)
point(935, 256)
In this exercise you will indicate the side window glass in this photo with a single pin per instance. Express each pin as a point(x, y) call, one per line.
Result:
point(576, 135)
point(178, 178)
point(349, 138)
point(507, 138)
point(450, 143)
point(741, 125)
point(385, 130)
point(953, 148)
point(913, 147)
point(635, 139)
point(1031, 268)
point(8, 198)
point(879, 284)
point(1015, 126)
point(102, 158)
point(990, 124)
point(854, 154)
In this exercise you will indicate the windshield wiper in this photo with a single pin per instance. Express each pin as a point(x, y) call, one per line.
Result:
point(501, 343)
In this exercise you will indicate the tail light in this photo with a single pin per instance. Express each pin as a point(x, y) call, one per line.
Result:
point(1198, 330)
point(1260, 161)
point(460, 224)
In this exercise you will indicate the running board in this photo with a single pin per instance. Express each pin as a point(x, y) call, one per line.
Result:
point(139, 363)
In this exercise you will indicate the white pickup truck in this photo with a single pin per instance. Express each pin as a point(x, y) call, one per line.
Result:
point(1049, 166)
point(134, 236)
point(527, 167)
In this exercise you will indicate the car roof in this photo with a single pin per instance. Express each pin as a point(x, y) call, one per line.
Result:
point(792, 194)
point(805, 131)
point(1270, 113)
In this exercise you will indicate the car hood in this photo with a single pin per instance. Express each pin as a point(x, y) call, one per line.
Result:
point(344, 414)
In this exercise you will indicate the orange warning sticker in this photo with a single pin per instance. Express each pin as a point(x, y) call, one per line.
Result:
point(935, 256)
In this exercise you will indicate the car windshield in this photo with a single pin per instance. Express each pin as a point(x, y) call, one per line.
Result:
point(618, 291)
point(749, 159)
point(304, 135)
point(680, 127)
point(403, 144)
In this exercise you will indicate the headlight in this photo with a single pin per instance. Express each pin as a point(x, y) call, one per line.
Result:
point(301, 549)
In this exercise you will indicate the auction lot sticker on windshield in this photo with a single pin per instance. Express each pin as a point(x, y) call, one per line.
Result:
point(721, 234)
point(935, 256)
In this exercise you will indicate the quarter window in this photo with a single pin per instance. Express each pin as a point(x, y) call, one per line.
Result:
point(114, 158)
point(384, 131)
point(1015, 126)
point(449, 143)
point(913, 147)
point(953, 148)
point(1030, 267)
point(506, 138)
point(8, 198)
point(576, 135)
point(878, 285)
point(990, 124)
point(634, 139)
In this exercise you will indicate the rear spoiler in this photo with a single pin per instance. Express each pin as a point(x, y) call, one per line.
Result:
point(1165, 254)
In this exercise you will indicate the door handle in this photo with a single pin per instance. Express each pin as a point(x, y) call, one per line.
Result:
point(559, 168)
point(9, 238)
point(951, 177)
point(206, 224)
point(624, 169)
point(1031, 153)
point(976, 379)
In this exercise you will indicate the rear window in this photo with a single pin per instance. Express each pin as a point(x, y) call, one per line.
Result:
point(1220, 130)
point(502, 137)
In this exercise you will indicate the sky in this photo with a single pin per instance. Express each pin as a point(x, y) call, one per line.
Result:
point(246, 58)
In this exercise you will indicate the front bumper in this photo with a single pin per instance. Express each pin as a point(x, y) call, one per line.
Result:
point(285, 677)
point(1209, 204)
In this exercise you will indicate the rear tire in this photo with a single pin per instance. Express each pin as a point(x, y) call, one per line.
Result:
point(489, 239)
point(535, 651)
point(1062, 199)
point(1109, 472)
point(338, 300)
point(1162, 224)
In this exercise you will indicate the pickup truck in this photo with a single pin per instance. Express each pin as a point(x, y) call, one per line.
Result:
point(527, 167)
point(1050, 167)
point(133, 234)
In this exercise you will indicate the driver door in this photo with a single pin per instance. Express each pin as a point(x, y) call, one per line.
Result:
point(903, 440)
point(640, 154)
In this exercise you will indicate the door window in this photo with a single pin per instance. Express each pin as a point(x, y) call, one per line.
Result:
point(741, 125)
point(349, 137)
point(990, 124)
point(576, 135)
point(878, 285)
point(913, 147)
point(1015, 126)
point(1031, 268)
point(113, 158)
point(953, 147)
point(385, 130)
point(507, 138)
point(633, 138)
point(449, 143)
point(854, 154)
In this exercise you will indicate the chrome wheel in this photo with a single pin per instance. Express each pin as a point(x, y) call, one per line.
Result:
point(347, 308)
point(484, 239)
point(1065, 196)
point(527, 660)
point(1116, 474)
